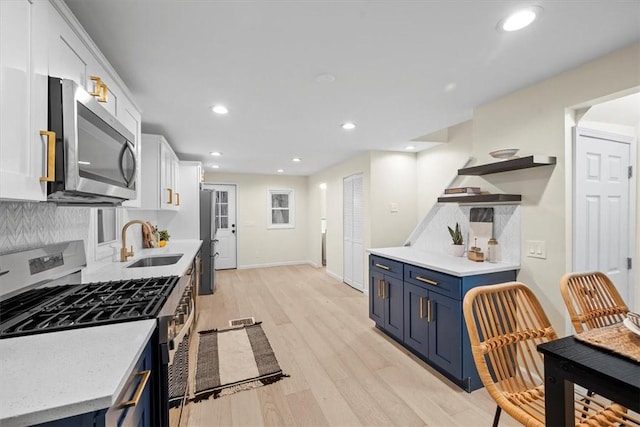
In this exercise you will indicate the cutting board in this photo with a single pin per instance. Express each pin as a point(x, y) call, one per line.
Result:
point(480, 228)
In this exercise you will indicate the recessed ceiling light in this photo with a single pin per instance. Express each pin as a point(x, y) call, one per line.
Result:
point(296, 159)
point(216, 153)
point(280, 170)
point(348, 126)
point(325, 78)
point(410, 147)
point(219, 109)
point(323, 185)
point(214, 166)
point(450, 87)
point(520, 19)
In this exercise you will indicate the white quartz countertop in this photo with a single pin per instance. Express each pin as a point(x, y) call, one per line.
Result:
point(115, 270)
point(444, 263)
point(55, 375)
point(49, 376)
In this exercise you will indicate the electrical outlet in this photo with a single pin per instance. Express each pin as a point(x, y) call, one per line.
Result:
point(537, 249)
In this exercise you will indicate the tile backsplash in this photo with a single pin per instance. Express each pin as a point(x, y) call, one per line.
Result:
point(29, 225)
point(433, 235)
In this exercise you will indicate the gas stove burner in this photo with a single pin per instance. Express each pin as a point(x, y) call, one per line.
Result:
point(75, 306)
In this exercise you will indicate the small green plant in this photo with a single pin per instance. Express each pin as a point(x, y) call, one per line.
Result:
point(456, 235)
point(163, 235)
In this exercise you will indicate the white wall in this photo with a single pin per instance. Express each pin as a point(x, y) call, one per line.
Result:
point(258, 245)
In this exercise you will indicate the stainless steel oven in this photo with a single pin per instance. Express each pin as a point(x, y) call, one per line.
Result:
point(179, 329)
point(94, 154)
point(40, 292)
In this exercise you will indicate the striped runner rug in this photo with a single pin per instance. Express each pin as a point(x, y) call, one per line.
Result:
point(234, 359)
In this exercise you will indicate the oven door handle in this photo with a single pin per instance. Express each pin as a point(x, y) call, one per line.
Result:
point(141, 386)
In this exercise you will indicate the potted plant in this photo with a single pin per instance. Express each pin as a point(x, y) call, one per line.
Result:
point(457, 248)
point(164, 237)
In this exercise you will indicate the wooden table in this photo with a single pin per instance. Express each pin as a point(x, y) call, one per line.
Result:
point(568, 361)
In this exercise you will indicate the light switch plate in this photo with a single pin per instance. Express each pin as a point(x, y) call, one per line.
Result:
point(393, 207)
point(536, 249)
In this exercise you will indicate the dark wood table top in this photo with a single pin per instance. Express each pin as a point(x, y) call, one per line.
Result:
point(618, 368)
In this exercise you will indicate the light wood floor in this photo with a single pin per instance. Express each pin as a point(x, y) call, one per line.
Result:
point(344, 372)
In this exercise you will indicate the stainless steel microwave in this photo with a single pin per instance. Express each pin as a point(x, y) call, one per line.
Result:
point(95, 162)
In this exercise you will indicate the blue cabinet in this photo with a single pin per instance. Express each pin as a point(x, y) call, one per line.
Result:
point(386, 299)
point(432, 326)
point(132, 407)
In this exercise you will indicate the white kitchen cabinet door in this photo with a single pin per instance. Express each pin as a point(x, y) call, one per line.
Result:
point(69, 58)
point(159, 174)
point(23, 99)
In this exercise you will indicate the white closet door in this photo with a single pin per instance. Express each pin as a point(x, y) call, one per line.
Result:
point(353, 231)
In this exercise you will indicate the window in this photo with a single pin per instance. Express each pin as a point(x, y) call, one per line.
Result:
point(281, 208)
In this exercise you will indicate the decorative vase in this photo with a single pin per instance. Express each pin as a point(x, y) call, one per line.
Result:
point(457, 250)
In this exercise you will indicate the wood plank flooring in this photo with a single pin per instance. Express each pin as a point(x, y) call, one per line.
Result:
point(344, 372)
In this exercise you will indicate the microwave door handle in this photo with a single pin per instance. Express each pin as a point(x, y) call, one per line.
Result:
point(128, 180)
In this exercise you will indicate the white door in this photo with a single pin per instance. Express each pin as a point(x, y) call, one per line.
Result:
point(226, 215)
point(602, 208)
point(353, 232)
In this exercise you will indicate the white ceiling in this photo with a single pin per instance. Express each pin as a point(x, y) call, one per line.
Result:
point(392, 61)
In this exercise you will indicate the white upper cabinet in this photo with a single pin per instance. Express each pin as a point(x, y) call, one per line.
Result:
point(160, 174)
point(23, 99)
point(41, 38)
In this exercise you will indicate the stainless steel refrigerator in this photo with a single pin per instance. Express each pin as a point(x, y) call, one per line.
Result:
point(208, 229)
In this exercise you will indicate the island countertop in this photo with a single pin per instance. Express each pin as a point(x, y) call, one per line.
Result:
point(444, 263)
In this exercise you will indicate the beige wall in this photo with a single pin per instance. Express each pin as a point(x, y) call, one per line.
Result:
point(333, 177)
point(437, 168)
point(393, 178)
point(533, 119)
point(257, 245)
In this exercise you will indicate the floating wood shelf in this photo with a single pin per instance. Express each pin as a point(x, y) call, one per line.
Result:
point(508, 165)
point(482, 198)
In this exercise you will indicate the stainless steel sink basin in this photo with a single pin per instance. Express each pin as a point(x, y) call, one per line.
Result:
point(156, 261)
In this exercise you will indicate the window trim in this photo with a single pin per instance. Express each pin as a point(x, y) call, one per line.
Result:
point(291, 194)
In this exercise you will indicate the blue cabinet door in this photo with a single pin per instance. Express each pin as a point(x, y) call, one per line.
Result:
point(416, 326)
point(393, 296)
point(376, 303)
point(445, 333)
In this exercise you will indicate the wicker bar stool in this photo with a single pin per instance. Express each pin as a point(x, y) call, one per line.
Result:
point(506, 323)
point(592, 300)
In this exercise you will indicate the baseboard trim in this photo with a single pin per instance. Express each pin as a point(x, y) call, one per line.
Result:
point(272, 264)
point(334, 275)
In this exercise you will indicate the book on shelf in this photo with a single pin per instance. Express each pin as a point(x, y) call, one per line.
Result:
point(462, 194)
point(462, 190)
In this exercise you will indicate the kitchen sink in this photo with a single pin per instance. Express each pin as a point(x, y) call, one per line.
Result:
point(156, 261)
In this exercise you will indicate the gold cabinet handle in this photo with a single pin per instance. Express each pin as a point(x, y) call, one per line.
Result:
point(384, 267)
point(100, 89)
point(421, 302)
point(177, 199)
point(141, 386)
point(170, 201)
point(51, 156)
point(97, 87)
point(104, 92)
point(429, 311)
point(427, 281)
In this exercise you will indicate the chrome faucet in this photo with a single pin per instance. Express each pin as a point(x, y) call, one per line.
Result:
point(124, 253)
